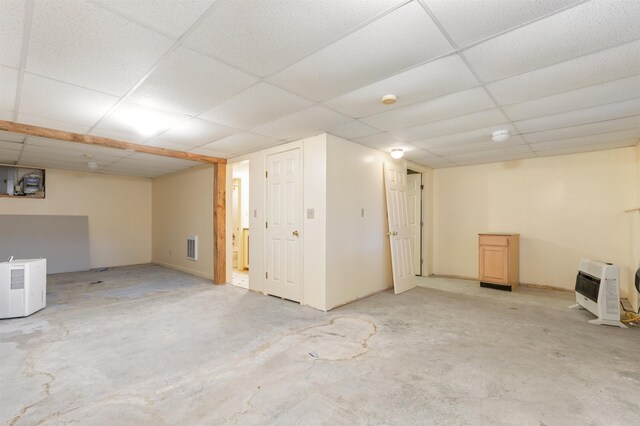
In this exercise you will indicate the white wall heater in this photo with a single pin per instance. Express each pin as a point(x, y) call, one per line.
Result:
point(23, 287)
point(598, 291)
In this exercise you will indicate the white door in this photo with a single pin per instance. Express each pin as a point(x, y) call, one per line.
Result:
point(414, 203)
point(395, 179)
point(284, 220)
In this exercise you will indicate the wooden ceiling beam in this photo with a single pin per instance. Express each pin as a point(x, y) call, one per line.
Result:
point(44, 132)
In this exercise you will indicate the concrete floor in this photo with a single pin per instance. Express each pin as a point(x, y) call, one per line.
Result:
point(148, 345)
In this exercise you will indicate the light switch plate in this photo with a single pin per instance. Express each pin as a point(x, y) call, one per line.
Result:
point(310, 213)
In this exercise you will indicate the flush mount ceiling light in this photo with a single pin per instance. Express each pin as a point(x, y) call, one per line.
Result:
point(389, 99)
point(397, 153)
point(92, 165)
point(500, 135)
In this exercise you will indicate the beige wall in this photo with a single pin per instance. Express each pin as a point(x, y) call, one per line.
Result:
point(357, 248)
point(183, 205)
point(118, 207)
point(634, 226)
point(564, 208)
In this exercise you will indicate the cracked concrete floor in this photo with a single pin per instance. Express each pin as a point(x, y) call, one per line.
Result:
point(148, 345)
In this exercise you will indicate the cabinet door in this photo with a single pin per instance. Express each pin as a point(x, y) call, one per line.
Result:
point(494, 264)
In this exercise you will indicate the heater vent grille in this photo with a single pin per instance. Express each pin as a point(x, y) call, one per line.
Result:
point(192, 247)
point(17, 279)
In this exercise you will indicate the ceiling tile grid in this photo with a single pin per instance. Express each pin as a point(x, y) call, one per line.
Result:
point(225, 78)
point(190, 83)
point(13, 14)
point(580, 30)
point(257, 105)
point(405, 37)
point(263, 37)
point(87, 45)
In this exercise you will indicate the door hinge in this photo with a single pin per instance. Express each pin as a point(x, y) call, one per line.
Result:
point(421, 186)
point(266, 275)
point(266, 174)
point(266, 224)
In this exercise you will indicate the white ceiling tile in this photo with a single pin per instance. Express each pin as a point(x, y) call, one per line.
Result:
point(190, 83)
point(403, 38)
point(437, 78)
point(9, 150)
point(240, 144)
point(381, 141)
point(585, 148)
point(8, 156)
point(453, 105)
point(43, 157)
point(53, 100)
point(582, 116)
point(491, 155)
point(52, 124)
point(167, 16)
point(128, 136)
point(11, 137)
point(211, 153)
point(256, 105)
point(302, 124)
point(453, 125)
point(263, 37)
point(353, 129)
point(6, 115)
point(463, 138)
point(585, 129)
point(622, 135)
point(12, 16)
point(495, 158)
point(87, 45)
point(192, 133)
point(485, 144)
point(136, 123)
point(157, 161)
point(133, 171)
point(425, 158)
point(8, 88)
point(10, 146)
point(74, 149)
point(611, 64)
point(605, 93)
point(578, 31)
point(469, 21)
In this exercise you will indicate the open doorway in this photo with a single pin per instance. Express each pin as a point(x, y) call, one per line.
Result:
point(240, 238)
point(414, 207)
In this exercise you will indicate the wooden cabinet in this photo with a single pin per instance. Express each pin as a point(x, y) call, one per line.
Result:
point(499, 260)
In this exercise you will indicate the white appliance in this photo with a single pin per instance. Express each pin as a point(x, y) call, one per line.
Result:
point(23, 287)
point(598, 291)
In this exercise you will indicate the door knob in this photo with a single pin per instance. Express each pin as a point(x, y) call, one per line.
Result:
point(388, 234)
point(296, 233)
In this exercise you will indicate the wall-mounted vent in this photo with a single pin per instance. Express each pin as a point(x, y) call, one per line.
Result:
point(192, 247)
point(17, 279)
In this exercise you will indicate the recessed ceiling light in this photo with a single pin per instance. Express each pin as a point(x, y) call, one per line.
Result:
point(389, 99)
point(397, 153)
point(500, 135)
point(92, 165)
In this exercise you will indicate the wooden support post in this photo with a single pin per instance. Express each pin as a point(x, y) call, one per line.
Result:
point(219, 224)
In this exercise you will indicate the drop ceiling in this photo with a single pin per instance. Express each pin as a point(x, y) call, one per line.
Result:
point(228, 77)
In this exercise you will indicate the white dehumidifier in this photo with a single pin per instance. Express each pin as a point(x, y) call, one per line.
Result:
point(23, 287)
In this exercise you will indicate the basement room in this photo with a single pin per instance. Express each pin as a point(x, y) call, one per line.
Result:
point(319, 212)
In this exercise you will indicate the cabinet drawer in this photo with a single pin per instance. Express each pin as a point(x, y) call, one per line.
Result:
point(494, 240)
